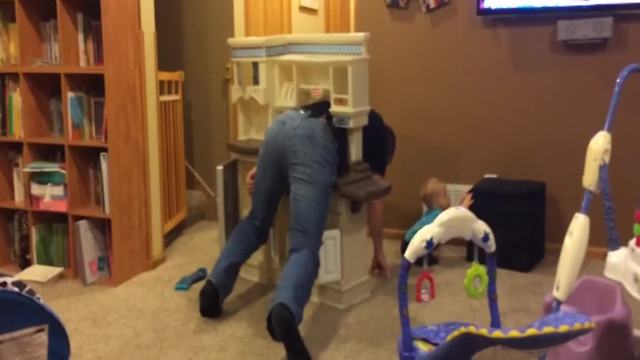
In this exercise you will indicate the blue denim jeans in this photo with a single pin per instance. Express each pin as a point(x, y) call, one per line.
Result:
point(298, 156)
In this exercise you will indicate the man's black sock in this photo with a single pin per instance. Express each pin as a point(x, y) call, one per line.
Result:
point(284, 329)
point(210, 304)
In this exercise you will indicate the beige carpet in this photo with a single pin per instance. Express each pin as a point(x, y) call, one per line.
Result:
point(146, 319)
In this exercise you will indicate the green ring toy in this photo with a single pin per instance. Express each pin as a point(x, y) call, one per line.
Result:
point(476, 281)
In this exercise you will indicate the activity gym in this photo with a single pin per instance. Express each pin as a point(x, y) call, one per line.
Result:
point(319, 179)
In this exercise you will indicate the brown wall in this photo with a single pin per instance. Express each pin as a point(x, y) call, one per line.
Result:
point(468, 97)
point(192, 37)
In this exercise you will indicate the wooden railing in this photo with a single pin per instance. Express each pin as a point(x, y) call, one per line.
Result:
point(172, 156)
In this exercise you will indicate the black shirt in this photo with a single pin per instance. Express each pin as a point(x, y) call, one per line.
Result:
point(378, 139)
point(378, 143)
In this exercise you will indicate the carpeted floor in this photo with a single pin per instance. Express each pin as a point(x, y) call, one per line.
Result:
point(146, 319)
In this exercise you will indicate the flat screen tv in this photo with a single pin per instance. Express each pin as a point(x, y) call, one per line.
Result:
point(515, 7)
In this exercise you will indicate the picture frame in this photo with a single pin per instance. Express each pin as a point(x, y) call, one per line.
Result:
point(397, 4)
point(433, 5)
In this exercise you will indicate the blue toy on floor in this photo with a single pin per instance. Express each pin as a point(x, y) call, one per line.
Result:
point(186, 282)
point(461, 340)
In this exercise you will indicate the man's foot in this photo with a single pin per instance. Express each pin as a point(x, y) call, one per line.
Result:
point(379, 266)
point(210, 304)
point(283, 328)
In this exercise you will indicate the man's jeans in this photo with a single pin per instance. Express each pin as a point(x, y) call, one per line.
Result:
point(298, 156)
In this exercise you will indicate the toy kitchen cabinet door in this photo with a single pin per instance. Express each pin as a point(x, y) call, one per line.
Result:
point(330, 257)
point(228, 198)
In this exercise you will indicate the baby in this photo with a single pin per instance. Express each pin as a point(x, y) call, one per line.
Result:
point(435, 197)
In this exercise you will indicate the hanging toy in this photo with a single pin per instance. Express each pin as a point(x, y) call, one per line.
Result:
point(636, 228)
point(476, 281)
point(425, 288)
point(426, 284)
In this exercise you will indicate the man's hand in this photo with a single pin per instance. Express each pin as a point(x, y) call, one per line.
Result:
point(251, 179)
point(379, 266)
point(467, 200)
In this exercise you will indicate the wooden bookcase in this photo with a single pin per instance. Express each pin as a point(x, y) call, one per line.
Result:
point(120, 80)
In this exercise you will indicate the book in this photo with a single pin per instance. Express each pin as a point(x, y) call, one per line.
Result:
point(19, 232)
point(44, 31)
point(104, 171)
point(60, 231)
point(15, 232)
point(17, 114)
point(86, 116)
point(48, 191)
point(107, 234)
point(51, 244)
point(82, 49)
point(78, 109)
point(96, 28)
point(88, 38)
point(50, 32)
point(55, 118)
point(98, 193)
point(40, 273)
point(95, 184)
point(3, 114)
point(97, 119)
point(56, 43)
point(18, 181)
point(90, 50)
point(8, 35)
point(50, 43)
point(92, 186)
point(10, 127)
point(13, 43)
point(4, 38)
point(93, 250)
point(45, 166)
point(12, 104)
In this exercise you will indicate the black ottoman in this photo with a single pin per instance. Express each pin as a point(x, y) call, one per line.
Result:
point(515, 211)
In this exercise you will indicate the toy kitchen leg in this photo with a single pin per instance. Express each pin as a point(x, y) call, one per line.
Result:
point(343, 278)
point(350, 255)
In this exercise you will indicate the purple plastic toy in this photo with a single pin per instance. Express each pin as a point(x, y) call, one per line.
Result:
point(603, 301)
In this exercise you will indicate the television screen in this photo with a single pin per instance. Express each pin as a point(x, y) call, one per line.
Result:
point(497, 7)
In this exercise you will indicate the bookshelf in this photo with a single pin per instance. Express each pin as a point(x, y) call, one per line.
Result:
point(42, 57)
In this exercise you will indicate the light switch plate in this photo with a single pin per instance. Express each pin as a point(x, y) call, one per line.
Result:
point(457, 192)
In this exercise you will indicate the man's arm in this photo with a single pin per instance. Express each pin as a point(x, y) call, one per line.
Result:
point(251, 179)
point(375, 220)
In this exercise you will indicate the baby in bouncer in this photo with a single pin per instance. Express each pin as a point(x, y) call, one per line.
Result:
point(434, 196)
